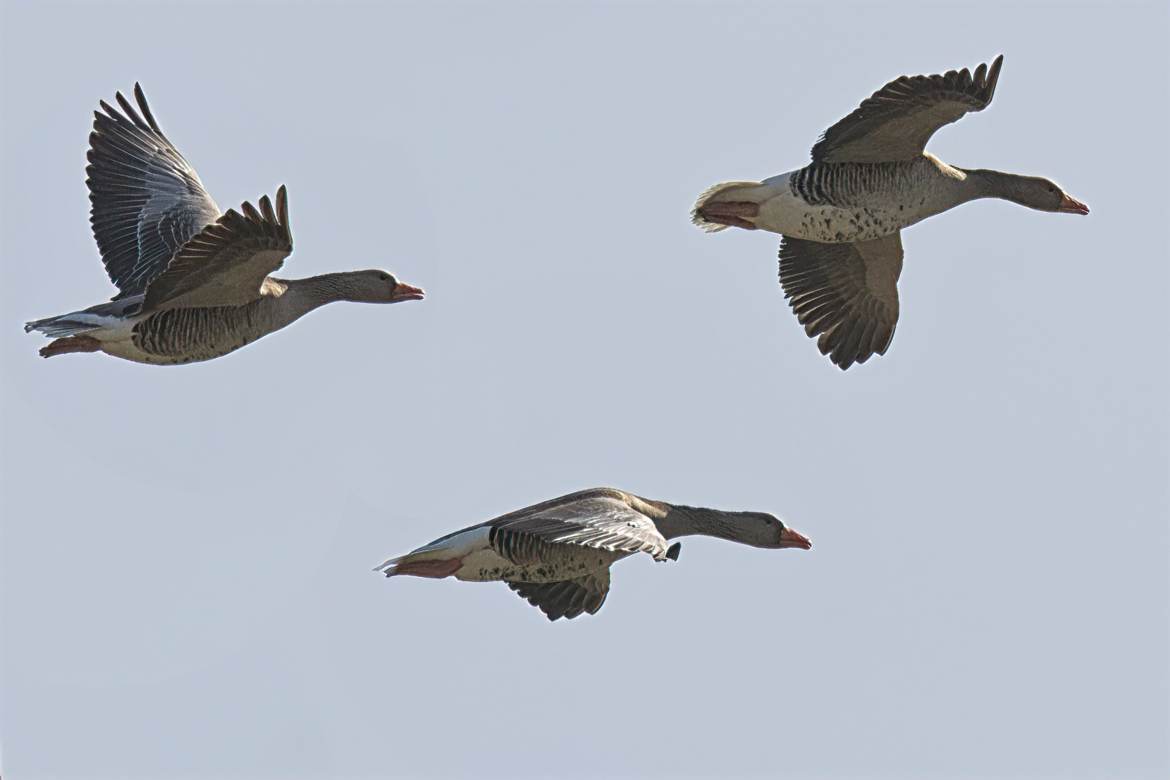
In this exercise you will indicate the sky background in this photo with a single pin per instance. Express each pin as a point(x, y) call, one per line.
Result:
point(186, 551)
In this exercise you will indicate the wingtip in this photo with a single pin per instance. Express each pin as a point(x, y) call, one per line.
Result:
point(250, 211)
point(993, 73)
point(282, 205)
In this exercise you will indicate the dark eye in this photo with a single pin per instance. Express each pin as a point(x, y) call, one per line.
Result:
point(383, 277)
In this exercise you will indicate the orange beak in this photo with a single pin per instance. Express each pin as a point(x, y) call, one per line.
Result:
point(404, 292)
point(792, 538)
point(1070, 205)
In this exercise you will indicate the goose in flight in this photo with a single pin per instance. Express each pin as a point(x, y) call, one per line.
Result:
point(193, 283)
point(841, 216)
point(557, 554)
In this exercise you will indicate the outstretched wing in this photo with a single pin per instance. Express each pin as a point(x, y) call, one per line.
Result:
point(896, 121)
point(597, 521)
point(147, 200)
point(225, 264)
point(566, 599)
point(845, 293)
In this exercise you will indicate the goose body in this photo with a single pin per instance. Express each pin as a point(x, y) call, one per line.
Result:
point(841, 215)
point(844, 203)
point(194, 284)
point(557, 554)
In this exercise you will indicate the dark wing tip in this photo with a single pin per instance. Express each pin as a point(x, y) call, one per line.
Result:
point(140, 97)
point(980, 74)
point(129, 111)
point(266, 209)
point(993, 77)
point(282, 206)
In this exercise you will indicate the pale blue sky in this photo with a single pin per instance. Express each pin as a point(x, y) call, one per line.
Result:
point(186, 551)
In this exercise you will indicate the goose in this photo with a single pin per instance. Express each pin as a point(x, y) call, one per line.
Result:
point(841, 216)
point(557, 554)
point(193, 283)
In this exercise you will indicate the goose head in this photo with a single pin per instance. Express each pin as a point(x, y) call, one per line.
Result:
point(376, 286)
point(760, 529)
point(1039, 193)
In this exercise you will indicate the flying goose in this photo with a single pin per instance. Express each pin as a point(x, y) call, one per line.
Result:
point(557, 554)
point(194, 284)
point(841, 215)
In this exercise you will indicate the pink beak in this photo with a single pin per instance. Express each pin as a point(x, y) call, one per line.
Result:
point(1070, 205)
point(404, 292)
point(792, 538)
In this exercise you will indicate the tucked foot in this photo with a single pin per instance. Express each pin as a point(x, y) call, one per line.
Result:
point(733, 213)
point(435, 569)
point(674, 550)
point(71, 344)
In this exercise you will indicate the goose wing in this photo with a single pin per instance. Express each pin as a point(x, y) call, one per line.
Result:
point(566, 599)
point(896, 122)
point(146, 199)
point(601, 521)
point(847, 294)
point(226, 263)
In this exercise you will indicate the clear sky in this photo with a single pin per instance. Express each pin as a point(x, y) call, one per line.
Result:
point(187, 551)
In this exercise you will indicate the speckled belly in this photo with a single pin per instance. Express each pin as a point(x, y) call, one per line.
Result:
point(560, 562)
point(832, 224)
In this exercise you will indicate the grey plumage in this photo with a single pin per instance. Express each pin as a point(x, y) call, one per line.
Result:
point(566, 599)
point(847, 294)
point(896, 122)
point(840, 216)
point(226, 263)
point(601, 520)
point(858, 185)
point(147, 200)
point(557, 554)
point(193, 284)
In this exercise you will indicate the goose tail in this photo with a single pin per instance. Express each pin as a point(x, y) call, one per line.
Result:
point(389, 567)
point(73, 324)
point(724, 191)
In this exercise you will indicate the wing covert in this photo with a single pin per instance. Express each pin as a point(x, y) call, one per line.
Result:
point(896, 122)
point(593, 521)
point(226, 263)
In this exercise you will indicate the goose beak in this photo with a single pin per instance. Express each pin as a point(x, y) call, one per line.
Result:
point(404, 292)
point(1070, 205)
point(792, 538)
